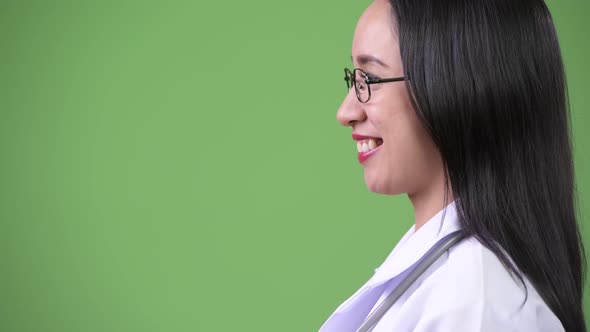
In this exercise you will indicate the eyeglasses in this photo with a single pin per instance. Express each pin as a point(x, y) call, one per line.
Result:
point(362, 82)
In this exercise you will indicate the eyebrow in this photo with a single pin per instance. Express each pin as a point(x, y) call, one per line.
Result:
point(364, 59)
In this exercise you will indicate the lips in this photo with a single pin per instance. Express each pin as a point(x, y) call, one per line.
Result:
point(367, 146)
point(358, 137)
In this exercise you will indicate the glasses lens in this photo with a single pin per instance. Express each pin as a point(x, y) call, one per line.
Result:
point(361, 87)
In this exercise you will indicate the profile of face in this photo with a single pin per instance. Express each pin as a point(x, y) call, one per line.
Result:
point(404, 158)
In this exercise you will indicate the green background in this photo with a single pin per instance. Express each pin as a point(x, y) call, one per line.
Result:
point(178, 166)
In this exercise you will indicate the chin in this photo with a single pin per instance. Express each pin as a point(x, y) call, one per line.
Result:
point(379, 185)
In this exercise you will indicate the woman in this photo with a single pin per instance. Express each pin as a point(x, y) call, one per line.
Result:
point(462, 105)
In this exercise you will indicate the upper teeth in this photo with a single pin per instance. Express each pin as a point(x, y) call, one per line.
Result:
point(366, 145)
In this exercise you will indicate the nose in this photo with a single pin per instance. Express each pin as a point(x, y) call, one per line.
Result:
point(351, 110)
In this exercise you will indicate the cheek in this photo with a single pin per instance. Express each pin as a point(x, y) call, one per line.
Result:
point(392, 109)
point(410, 156)
point(398, 123)
point(402, 142)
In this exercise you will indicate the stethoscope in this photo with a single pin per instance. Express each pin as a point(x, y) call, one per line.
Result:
point(429, 258)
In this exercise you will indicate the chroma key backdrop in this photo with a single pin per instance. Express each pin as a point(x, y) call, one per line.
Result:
point(177, 166)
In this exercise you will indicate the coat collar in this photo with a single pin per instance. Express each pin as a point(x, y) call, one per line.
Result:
point(414, 244)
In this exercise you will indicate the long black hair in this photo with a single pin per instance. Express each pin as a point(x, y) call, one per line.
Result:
point(487, 81)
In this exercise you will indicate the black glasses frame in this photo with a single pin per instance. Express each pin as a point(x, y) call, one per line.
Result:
point(350, 78)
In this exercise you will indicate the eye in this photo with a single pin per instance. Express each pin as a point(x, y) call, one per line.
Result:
point(372, 77)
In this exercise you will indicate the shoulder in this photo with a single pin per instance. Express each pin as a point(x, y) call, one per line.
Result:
point(480, 275)
point(471, 289)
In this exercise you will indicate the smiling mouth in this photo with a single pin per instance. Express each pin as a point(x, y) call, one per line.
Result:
point(369, 144)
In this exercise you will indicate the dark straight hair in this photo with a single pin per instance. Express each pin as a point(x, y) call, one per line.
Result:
point(487, 81)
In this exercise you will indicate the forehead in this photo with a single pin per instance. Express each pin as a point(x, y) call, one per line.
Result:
point(374, 34)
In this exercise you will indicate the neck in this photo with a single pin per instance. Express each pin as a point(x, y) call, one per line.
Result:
point(429, 201)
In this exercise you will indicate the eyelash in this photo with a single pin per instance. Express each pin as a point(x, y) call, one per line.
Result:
point(372, 77)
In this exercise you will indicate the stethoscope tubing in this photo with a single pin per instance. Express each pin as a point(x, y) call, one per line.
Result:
point(443, 245)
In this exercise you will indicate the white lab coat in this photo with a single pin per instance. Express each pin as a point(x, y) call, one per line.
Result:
point(466, 289)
